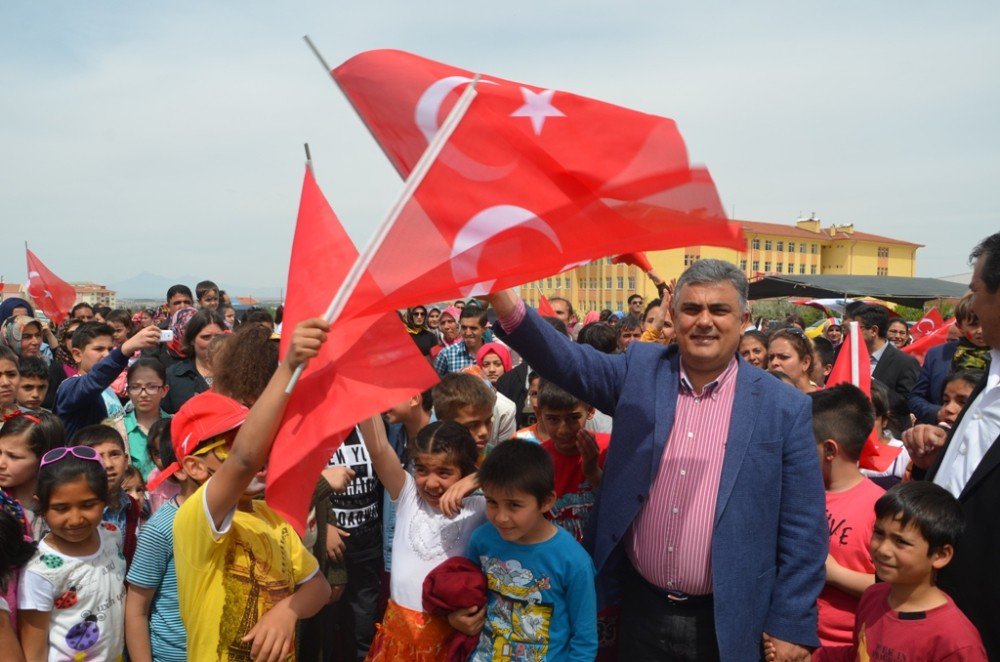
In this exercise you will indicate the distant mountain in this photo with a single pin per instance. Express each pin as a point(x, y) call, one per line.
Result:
point(154, 286)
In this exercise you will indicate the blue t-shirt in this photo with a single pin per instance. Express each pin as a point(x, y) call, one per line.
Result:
point(153, 567)
point(541, 601)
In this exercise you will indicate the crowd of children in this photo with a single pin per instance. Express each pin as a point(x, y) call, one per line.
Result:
point(449, 528)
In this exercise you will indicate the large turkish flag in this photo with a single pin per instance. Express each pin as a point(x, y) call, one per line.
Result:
point(52, 294)
point(532, 182)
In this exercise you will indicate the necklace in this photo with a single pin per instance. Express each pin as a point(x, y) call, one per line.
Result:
point(433, 537)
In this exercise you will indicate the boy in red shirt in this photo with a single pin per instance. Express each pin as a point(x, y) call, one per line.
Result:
point(907, 617)
point(842, 420)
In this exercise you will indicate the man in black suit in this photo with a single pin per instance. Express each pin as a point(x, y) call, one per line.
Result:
point(898, 371)
point(966, 462)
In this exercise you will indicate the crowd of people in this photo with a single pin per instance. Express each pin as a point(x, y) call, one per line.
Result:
point(672, 481)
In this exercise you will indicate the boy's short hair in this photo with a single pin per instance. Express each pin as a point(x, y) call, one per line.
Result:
point(204, 287)
point(427, 400)
point(553, 398)
point(89, 332)
point(824, 350)
point(179, 289)
point(629, 323)
point(871, 315)
point(519, 465)
point(93, 435)
point(634, 296)
point(843, 413)
point(458, 390)
point(600, 336)
point(33, 367)
point(82, 304)
point(569, 304)
point(474, 311)
point(930, 508)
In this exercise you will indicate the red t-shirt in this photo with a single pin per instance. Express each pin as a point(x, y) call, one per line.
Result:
point(851, 515)
point(574, 496)
point(881, 634)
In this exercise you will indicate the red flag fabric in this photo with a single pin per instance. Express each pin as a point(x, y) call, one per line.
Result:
point(545, 308)
point(929, 323)
point(368, 364)
point(637, 259)
point(918, 348)
point(875, 456)
point(52, 294)
point(532, 182)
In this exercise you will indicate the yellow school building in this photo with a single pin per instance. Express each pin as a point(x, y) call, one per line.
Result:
point(802, 248)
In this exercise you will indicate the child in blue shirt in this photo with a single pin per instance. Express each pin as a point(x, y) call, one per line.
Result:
point(541, 601)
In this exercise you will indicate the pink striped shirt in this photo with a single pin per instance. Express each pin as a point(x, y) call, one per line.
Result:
point(670, 542)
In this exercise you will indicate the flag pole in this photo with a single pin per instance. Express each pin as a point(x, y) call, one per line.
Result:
point(417, 175)
point(855, 368)
point(319, 56)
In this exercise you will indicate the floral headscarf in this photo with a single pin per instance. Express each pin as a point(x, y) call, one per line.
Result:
point(12, 328)
point(178, 324)
point(62, 335)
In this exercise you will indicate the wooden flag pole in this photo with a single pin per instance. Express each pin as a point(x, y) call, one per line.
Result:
point(420, 170)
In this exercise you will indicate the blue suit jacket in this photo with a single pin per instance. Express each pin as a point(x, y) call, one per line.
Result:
point(770, 536)
point(925, 398)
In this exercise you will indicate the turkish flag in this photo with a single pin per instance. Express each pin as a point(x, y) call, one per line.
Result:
point(927, 324)
point(545, 308)
point(52, 294)
point(875, 456)
point(532, 182)
point(918, 348)
point(367, 365)
point(637, 259)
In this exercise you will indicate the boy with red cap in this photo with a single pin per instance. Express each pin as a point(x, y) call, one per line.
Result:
point(244, 578)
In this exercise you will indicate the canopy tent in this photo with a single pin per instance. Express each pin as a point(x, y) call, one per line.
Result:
point(913, 292)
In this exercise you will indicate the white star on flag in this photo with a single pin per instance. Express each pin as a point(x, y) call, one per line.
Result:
point(537, 106)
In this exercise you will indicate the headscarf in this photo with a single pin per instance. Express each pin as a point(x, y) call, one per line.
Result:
point(7, 307)
point(970, 356)
point(12, 328)
point(415, 329)
point(178, 324)
point(60, 351)
point(591, 317)
point(494, 348)
point(456, 315)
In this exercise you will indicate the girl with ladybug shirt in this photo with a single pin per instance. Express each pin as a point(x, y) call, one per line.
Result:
point(71, 595)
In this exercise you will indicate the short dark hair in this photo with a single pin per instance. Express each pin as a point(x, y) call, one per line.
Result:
point(989, 250)
point(871, 315)
point(852, 307)
point(34, 367)
point(599, 335)
point(843, 413)
point(427, 400)
point(123, 317)
point(634, 296)
point(892, 407)
point(196, 324)
point(556, 324)
point(92, 435)
point(89, 332)
point(449, 438)
point(149, 363)
point(67, 470)
point(629, 323)
point(7, 354)
point(655, 303)
point(457, 390)
point(823, 348)
point(969, 376)
point(179, 289)
point(931, 508)
point(519, 465)
point(257, 316)
point(204, 287)
point(551, 397)
point(473, 310)
point(759, 336)
point(569, 304)
point(44, 431)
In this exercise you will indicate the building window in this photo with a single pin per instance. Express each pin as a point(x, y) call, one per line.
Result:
point(812, 269)
point(802, 268)
point(791, 247)
point(607, 304)
point(767, 266)
point(631, 283)
point(607, 283)
point(802, 248)
point(780, 247)
point(691, 258)
point(756, 266)
point(583, 283)
point(767, 244)
point(607, 261)
point(883, 271)
point(883, 251)
point(743, 265)
point(558, 283)
point(812, 248)
point(549, 283)
point(593, 283)
point(755, 244)
point(780, 268)
point(621, 282)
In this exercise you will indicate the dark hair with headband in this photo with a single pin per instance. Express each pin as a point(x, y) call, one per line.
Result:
point(68, 469)
point(44, 430)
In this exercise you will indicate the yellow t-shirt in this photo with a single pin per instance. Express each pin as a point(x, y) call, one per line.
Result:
point(227, 579)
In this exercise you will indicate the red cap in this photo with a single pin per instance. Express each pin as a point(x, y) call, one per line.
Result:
point(203, 417)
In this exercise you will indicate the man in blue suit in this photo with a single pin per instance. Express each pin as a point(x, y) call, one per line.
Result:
point(710, 523)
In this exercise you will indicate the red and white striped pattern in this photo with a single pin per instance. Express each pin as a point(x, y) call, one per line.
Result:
point(670, 542)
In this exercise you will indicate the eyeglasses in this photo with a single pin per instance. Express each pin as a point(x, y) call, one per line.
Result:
point(151, 389)
point(218, 445)
point(417, 314)
point(82, 452)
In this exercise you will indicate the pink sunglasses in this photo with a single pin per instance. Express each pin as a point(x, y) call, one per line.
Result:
point(82, 452)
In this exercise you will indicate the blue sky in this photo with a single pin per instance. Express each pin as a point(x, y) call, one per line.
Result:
point(167, 137)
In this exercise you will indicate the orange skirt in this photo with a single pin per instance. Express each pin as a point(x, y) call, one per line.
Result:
point(405, 634)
